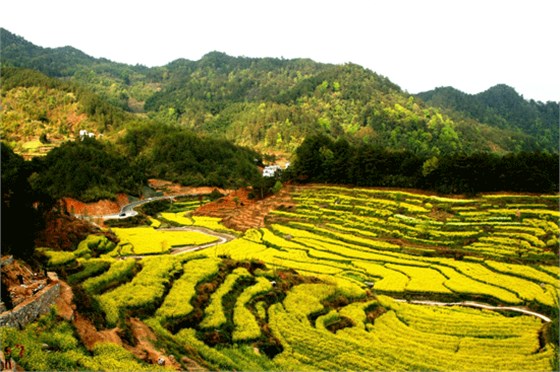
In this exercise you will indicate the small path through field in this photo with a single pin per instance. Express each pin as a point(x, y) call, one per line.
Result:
point(481, 306)
point(222, 238)
point(128, 211)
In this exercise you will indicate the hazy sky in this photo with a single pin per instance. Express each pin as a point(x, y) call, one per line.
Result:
point(418, 44)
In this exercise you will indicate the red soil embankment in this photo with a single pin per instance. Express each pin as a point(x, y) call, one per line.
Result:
point(21, 281)
point(239, 212)
point(143, 348)
point(104, 207)
point(169, 188)
point(99, 208)
point(64, 232)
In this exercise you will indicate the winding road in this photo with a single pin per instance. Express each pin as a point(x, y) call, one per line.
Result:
point(222, 238)
point(128, 209)
point(480, 306)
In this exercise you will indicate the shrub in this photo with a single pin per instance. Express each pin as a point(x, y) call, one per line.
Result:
point(88, 306)
point(90, 268)
point(56, 259)
point(119, 272)
point(138, 220)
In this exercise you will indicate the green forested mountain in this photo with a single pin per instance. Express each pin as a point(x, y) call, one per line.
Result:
point(51, 61)
point(502, 107)
point(37, 106)
point(275, 104)
point(118, 83)
point(50, 112)
point(272, 105)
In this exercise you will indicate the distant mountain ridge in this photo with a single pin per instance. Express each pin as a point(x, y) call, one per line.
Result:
point(272, 104)
point(51, 61)
point(501, 106)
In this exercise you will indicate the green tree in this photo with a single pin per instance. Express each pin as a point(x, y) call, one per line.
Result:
point(430, 165)
point(88, 170)
point(18, 212)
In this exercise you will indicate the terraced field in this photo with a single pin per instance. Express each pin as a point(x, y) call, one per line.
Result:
point(329, 285)
point(146, 240)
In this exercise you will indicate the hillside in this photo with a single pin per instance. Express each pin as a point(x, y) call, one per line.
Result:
point(338, 278)
point(501, 106)
point(113, 81)
point(42, 112)
point(272, 105)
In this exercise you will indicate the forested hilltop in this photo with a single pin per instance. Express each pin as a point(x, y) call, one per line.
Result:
point(267, 104)
point(500, 106)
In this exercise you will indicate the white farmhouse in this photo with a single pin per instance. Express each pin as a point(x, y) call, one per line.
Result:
point(270, 170)
point(84, 133)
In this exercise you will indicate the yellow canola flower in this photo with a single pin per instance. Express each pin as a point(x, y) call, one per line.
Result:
point(146, 240)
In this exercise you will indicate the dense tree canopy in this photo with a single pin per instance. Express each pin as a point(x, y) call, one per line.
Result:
point(501, 106)
point(320, 159)
point(179, 155)
point(273, 104)
point(88, 170)
point(20, 219)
